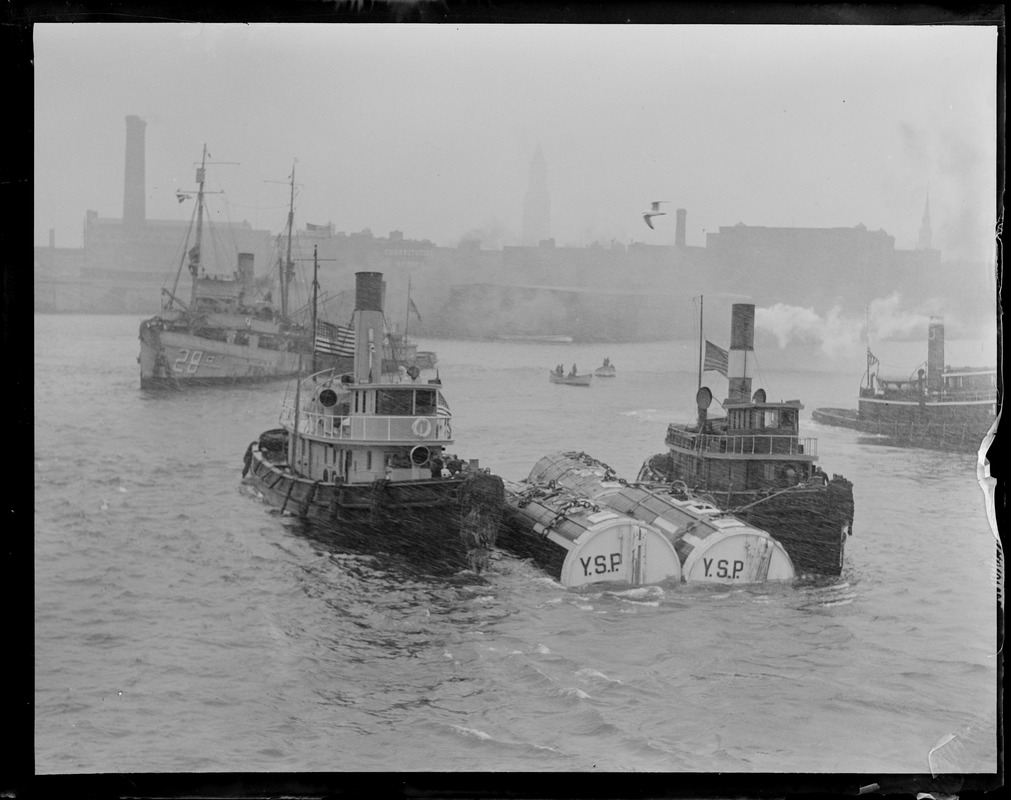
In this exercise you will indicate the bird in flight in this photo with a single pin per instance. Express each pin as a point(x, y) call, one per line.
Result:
point(654, 211)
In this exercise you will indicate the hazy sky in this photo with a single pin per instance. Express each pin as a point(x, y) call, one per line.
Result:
point(430, 129)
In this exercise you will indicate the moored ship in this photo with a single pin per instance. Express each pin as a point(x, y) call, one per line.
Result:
point(365, 453)
point(937, 406)
point(754, 463)
point(224, 334)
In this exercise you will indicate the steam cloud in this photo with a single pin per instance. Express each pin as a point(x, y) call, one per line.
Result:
point(838, 334)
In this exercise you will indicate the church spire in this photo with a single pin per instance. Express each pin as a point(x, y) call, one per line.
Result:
point(924, 242)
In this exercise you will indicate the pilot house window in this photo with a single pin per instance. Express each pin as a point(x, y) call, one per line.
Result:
point(393, 403)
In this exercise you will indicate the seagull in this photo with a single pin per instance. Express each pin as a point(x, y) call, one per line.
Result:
point(654, 212)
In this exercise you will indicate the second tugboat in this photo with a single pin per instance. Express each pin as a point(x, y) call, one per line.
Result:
point(754, 464)
point(938, 407)
point(365, 454)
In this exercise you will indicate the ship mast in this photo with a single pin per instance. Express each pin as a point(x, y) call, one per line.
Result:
point(288, 268)
point(194, 253)
point(315, 294)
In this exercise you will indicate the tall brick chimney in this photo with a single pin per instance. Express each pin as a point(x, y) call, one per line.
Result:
point(133, 174)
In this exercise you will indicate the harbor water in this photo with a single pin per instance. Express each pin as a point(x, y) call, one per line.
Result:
point(181, 625)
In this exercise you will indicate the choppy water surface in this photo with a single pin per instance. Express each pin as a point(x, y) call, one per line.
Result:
point(182, 626)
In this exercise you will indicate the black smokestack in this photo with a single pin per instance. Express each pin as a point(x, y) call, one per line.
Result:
point(133, 174)
point(368, 326)
point(742, 345)
point(935, 354)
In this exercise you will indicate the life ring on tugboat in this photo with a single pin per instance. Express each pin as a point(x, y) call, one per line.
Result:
point(422, 427)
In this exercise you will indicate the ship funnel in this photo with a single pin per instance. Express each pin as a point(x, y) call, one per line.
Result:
point(935, 354)
point(245, 271)
point(368, 326)
point(742, 345)
point(369, 291)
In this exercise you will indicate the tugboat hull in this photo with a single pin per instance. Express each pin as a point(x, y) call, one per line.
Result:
point(934, 433)
point(812, 521)
point(458, 517)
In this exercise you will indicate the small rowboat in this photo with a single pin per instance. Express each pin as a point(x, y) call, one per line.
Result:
point(607, 371)
point(570, 380)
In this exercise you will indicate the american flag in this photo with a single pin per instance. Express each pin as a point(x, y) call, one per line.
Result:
point(442, 407)
point(871, 359)
point(716, 359)
point(334, 339)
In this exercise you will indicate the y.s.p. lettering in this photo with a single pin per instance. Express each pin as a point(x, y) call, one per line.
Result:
point(724, 568)
point(600, 565)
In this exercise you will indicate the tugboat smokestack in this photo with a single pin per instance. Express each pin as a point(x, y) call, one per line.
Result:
point(368, 326)
point(742, 346)
point(369, 291)
point(935, 354)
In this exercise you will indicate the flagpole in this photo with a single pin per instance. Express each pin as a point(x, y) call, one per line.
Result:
point(701, 340)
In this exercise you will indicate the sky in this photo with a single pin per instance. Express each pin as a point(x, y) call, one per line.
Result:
point(430, 129)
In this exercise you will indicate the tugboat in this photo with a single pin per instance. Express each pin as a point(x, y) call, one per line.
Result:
point(940, 407)
point(365, 453)
point(754, 464)
point(222, 335)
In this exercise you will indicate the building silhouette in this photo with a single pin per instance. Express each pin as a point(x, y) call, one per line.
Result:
point(537, 203)
point(924, 240)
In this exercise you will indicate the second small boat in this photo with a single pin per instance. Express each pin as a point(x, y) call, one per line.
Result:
point(605, 370)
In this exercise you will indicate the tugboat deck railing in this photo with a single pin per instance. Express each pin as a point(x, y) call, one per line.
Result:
point(368, 428)
point(743, 445)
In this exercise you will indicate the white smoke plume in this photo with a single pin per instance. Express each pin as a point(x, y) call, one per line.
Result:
point(839, 334)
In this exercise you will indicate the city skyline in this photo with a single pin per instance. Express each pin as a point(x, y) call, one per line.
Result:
point(430, 130)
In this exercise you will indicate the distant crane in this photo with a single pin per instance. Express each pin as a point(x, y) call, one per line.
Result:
point(654, 211)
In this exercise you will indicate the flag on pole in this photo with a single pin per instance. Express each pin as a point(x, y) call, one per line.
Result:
point(716, 359)
point(442, 407)
point(871, 359)
point(335, 340)
point(414, 308)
